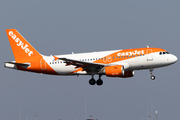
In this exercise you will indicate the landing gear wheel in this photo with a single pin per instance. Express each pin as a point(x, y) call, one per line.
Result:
point(99, 82)
point(92, 81)
point(153, 77)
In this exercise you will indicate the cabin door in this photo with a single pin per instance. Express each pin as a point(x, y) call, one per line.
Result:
point(43, 64)
point(149, 55)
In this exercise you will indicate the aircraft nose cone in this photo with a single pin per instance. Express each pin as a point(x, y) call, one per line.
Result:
point(174, 59)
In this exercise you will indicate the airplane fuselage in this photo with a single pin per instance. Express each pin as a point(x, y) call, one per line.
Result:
point(140, 61)
point(114, 63)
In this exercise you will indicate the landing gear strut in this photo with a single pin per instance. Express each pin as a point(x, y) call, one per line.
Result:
point(151, 72)
point(99, 82)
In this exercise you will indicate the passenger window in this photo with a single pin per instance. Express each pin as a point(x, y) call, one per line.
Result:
point(160, 53)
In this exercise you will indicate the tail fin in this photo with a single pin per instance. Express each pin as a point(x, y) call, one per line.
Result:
point(20, 47)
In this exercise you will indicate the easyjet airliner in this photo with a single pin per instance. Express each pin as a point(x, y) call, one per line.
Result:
point(114, 63)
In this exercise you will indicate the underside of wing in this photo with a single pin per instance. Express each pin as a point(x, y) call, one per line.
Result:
point(80, 63)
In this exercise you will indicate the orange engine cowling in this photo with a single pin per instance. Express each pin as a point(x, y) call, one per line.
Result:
point(114, 71)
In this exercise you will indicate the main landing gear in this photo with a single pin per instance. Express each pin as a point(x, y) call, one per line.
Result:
point(151, 72)
point(99, 82)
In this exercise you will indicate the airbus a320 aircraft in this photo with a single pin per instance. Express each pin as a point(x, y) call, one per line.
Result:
point(115, 63)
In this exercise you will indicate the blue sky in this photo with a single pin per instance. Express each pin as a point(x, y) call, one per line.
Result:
point(61, 27)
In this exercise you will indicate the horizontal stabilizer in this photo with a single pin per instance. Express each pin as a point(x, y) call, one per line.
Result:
point(14, 65)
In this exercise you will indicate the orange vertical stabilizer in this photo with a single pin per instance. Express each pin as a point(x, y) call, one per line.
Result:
point(21, 48)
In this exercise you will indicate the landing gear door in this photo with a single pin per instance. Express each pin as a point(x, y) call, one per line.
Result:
point(149, 55)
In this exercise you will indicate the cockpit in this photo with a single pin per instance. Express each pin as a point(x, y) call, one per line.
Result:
point(162, 53)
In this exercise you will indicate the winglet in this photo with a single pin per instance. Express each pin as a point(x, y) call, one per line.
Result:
point(55, 58)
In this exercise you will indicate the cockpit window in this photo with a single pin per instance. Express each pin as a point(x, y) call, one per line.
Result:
point(162, 53)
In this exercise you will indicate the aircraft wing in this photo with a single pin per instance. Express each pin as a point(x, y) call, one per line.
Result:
point(82, 64)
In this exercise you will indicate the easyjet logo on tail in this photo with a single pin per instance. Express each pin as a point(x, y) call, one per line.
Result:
point(20, 43)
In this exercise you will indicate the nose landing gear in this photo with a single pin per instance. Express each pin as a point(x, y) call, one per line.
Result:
point(151, 72)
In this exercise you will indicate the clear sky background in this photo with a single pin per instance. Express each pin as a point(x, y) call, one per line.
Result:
point(61, 27)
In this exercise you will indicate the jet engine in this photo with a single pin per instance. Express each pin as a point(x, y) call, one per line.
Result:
point(114, 71)
point(117, 71)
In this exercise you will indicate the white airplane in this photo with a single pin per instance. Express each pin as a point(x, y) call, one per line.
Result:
point(114, 63)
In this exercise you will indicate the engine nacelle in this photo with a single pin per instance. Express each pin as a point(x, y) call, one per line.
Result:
point(114, 71)
point(117, 71)
point(128, 74)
